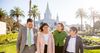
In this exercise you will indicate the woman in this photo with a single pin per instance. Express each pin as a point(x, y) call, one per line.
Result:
point(45, 41)
point(59, 37)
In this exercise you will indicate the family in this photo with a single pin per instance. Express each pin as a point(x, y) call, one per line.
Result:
point(31, 40)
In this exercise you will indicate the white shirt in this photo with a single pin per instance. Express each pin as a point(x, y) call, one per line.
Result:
point(32, 36)
point(71, 45)
point(46, 37)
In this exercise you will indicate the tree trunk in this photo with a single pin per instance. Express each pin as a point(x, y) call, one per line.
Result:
point(9, 29)
point(93, 24)
point(81, 23)
point(17, 21)
point(34, 21)
point(1, 18)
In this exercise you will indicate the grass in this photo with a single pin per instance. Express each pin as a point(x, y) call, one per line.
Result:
point(11, 48)
point(92, 51)
point(8, 43)
point(8, 48)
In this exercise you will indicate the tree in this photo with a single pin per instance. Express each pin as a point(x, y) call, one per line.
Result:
point(16, 12)
point(87, 26)
point(97, 25)
point(3, 13)
point(94, 15)
point(9, 21)
point(81, 13)
point(35, 13)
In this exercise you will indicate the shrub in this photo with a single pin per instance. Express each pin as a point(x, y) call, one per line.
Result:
point(8, 37)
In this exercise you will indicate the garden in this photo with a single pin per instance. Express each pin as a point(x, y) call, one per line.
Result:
point(8, 43)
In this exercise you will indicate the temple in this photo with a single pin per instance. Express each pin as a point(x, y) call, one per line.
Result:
point(48, 18)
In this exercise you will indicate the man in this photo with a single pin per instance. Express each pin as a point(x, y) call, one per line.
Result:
point(73, 42)
point(26, 38)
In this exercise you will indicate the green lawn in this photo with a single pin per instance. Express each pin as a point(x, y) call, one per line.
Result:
point(92, 51)
point(8, 48)
point(11, 48)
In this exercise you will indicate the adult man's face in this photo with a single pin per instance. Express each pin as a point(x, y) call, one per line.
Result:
point(30, 25)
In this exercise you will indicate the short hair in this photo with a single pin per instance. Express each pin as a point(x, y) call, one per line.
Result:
point(42, 25)
point(74, 29)
point(61, 25)
point(29, 20)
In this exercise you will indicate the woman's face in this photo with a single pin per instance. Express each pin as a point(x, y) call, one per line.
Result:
point(46, 28)
point(59, 27)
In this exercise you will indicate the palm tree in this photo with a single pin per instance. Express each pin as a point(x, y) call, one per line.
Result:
point(16, 12)
point(2, 14)
point(81, 13)
point(35, 13)
point(94, 15)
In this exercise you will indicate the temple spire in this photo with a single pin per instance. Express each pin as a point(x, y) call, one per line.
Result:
point(47, 14)
point(57, 18)
point(30, 5)
point(47, 7)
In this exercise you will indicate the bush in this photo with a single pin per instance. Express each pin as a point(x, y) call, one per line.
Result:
point(91, 40)
point(7, 38)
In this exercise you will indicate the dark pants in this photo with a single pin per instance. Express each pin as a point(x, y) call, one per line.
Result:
point(45, 48)
point(28, 49)
point(58, 49)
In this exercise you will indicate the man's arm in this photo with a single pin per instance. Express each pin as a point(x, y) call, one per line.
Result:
point(19, 40)
point(81, 46)
point(35, 37)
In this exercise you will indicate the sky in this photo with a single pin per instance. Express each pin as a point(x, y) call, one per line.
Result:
point(65, 9)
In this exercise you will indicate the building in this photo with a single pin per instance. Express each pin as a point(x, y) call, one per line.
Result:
point(48, 18)
point(2, 28)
